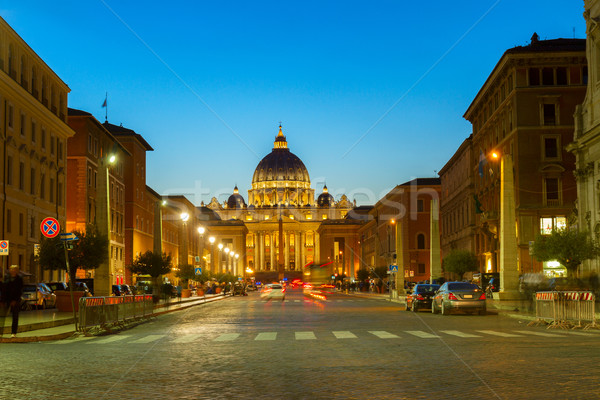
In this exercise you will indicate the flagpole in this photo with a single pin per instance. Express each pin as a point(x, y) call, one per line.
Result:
point(106, 106)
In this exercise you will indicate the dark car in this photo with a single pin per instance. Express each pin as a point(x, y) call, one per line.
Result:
point(81, 287)
point(421, 296)
point(54, 286)
point(459, 296)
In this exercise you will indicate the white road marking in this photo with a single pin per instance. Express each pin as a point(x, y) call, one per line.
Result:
point(540, 334)
point(384, 334)
point(305, 336)
point(76, 340)
point(186, 338)
point(503, 334)
point(266, 336)
point(148, 339)
point(227, 337)
point(421, 334)
point(344, 335)
point(460, 334)
point(110, 339)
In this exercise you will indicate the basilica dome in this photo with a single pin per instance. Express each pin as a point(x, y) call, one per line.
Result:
point(325, 199)
point(280, 165)
point(236, 200)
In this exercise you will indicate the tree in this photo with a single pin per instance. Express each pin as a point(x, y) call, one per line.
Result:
point(568, 247)
point(151, 264)
point(88, 252)
point(459, 262)
point(362, 274)
point(186, 273)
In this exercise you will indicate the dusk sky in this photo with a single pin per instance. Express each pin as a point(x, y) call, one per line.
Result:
point(370, 94)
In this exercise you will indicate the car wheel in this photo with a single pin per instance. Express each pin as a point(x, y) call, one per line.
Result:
point(445, 310)
point(483, 312)
point(433, 309)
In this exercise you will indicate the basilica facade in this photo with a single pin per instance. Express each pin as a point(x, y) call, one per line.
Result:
point(282, 206)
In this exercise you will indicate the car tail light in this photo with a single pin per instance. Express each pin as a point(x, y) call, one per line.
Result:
point(482, 297)
point(419, 297)
point(283, 290)
point(451, 296)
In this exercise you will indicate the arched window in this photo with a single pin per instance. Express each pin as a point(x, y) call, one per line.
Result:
point(420, 241)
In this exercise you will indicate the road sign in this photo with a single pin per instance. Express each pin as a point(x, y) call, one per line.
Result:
point(3, 247)
point(197, 258)
point(393, 268)
point(198, 271)
point(65, 237)
point(50, 227)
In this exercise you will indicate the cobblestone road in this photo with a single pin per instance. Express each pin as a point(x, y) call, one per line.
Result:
point(342, 348)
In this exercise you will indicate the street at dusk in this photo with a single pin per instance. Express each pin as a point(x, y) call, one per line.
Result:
point(346, 347)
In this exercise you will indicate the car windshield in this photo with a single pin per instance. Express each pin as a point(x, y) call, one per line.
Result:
point(462, 286)
point(427, 288)
point(29, 288)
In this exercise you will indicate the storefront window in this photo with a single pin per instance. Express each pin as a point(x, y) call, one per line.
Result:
point(547, 224)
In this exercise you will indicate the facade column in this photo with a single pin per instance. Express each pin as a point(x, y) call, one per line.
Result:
point(261, 251)
point(296, 250)
point(286, 250)
point(302, 249)
point(272, 254)
point(317, 246)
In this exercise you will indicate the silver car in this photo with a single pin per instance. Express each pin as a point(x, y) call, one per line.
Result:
point(459, 296)
point(37, 295)
point(273, 291)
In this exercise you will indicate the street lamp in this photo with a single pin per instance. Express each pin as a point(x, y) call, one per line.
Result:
point(201, 231)
point(220, 267)
point(237, 256)
point(183, 258)
point(211, 240)
point(102, 276)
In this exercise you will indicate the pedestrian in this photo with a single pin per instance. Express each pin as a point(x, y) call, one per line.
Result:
point(12, 290)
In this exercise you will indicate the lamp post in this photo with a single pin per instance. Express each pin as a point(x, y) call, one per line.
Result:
point(237, 266)
point(211, 240)
point(220, 266)
point(226, 250)
point(102, 281)
point(509, 274)
point(183, 257)
point(201, 231)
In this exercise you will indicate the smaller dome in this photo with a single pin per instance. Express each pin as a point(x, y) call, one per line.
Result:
point(236, 200)
point(325, 199)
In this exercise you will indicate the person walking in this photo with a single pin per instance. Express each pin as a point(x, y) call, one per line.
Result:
point(12, 290)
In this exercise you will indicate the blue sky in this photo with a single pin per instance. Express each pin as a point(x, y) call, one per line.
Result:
point(370, 94)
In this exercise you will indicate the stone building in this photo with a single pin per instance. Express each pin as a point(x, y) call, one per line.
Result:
point(524, 113)
point(586, 141)
point(34, 131)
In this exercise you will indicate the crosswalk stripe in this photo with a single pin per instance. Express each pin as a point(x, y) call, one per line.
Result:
point(266, 336)
point(503, 334)
point(148, 339)
point(581, 333)
point(76, 340)
point(305, 336)
point(384, 334)
point(421, 334)
point(226, 337)
point(186, 338)
point(460, 334)
point(110, 339)
point(296, 301)
point(539, 334)
point(344, 335)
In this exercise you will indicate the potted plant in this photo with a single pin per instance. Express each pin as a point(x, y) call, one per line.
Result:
point(185, 274)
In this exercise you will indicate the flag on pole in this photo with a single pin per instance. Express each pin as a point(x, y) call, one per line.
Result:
point(105, 99)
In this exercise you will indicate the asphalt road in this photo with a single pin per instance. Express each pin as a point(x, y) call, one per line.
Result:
point(342, 348)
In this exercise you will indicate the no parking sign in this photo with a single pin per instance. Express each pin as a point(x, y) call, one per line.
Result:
point(50, 227)
point(3, 247)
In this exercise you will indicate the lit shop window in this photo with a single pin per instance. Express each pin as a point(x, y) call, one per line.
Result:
point(550, 223)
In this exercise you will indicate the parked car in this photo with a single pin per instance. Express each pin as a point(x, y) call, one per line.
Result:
point(54, 286)
point(37, 295)
point(127, 290)
point(81, 287)
point(273, 291)
point(420, 297)
point(459, 296)
point(119, 290)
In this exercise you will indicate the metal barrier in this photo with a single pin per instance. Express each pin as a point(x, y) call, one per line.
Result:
point(103, 312)
point(567, 310)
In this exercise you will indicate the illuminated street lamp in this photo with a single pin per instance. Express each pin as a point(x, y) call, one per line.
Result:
point(220, 267)
point(211, 240)
point(201, 231)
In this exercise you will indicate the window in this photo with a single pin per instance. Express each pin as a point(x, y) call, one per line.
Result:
point(22, 176)
point(552, 191)
point(534, 77)
point(60, 148)
point(550, 147)
point(21, 222)
point(90, 143)
point(10, 116)
point(22, 127)
point(421, 269)
point(585, 75)
point(547, 76)
point(561, 76)
point(52, 144)
point(51, 198)
point(43, 186)
point(33, 132)
point(8, 221)
point(59, 194)
point(32, 182)
point(547, 224)
point(549, 111)
point(43, 139)
point(420, 241)
point(420, 206)
point(89, 176)
point(9, 170)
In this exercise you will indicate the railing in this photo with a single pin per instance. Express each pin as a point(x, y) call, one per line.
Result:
point(104, 312)
point(567, 310)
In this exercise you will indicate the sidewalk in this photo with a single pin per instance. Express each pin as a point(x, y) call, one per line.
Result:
point(40, 325)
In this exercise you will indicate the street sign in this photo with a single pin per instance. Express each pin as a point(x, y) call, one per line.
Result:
point(50, 227)
point(36, 249)
point(198, 271)
point(3, 247)
point(531, 243)
point(393, 268)
point(65, 237)
point(197, 258)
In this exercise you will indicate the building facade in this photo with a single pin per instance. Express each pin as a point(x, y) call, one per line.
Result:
point(33, 115)
point(586, 141)
point(525, 111)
